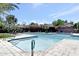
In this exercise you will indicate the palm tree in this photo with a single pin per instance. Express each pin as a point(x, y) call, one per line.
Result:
point(6, 7)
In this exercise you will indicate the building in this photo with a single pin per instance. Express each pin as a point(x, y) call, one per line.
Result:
point(67, 27)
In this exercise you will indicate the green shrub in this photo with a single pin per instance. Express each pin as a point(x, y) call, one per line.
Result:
point(6, 35)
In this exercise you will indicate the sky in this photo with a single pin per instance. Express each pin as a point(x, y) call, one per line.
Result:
point(46, 12)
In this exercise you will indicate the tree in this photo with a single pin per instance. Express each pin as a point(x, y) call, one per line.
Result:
point(66, 21)
point(1, 23)
point(11, 21)
point(76, 26)
point(71, 22)
point(58, 22)
point(6, 7)
point(32, 23)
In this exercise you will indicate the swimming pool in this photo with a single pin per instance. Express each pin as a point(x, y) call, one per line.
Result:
point(43, 41)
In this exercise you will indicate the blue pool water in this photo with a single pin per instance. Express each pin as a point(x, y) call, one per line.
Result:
point(43, 41)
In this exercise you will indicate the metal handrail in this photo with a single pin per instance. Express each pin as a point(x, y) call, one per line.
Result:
point(32, 47)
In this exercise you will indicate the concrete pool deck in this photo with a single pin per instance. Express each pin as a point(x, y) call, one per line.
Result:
point(62, 48)
point(7, 49)
point(21, 36)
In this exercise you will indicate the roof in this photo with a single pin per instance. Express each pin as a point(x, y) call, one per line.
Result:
point(67, 25)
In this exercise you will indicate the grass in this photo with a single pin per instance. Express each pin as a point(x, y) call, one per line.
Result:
point(6, 35)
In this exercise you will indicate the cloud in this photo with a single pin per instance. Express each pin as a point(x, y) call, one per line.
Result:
point(36, 4)
point(67, 12)
point(37, 20)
